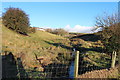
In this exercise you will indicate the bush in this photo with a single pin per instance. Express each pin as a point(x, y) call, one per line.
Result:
point(32, 30)
point(49, 30)
point(60, 32)
point(110, 34)
point(16, 19)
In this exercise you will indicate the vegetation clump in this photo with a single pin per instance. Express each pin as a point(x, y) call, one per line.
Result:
point(59, 31)
point(110, 35)
point(32, 30)
point(16, 19)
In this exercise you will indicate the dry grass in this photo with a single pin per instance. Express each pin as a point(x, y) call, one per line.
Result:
point(104, 73)
point(35, 43)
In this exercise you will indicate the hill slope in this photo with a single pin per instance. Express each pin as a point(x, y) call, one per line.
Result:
point(43, 44)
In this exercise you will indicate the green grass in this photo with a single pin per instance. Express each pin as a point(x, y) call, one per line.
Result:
point(102, 60)
point(91, 50)
point(48, 45)
point(34, 43)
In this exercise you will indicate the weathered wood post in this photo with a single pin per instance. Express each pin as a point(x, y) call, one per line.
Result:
point(119, 57)
point(113, 59)
point(76, 64)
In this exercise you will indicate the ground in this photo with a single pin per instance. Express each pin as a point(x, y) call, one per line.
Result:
point(44, 54)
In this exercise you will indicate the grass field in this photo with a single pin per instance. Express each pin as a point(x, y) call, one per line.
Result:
point(43, 44)
point(55, 50)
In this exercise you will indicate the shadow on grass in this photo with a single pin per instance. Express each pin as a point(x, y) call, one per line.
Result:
point(21, 70)
point(82, 49)
point(85, 66)
point(59, 44)
point(88, 37)
point(96, 49)
point(56, 70)
point(59, 68)
point(10, 69)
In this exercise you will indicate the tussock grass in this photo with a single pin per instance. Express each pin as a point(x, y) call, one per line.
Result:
point(35, 43)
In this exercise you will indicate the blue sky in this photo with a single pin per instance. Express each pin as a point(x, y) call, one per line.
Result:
point(72, 16)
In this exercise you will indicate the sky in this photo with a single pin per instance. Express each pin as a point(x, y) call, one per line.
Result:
point(72, 16)
point(60, 0)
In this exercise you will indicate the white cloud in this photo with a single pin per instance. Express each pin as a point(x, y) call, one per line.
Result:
point(78, 28)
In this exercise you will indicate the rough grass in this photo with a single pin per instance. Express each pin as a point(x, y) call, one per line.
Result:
point(35, 43)
point(106, 74)
point(98, 59)
point(53, 48)
point(92, 55)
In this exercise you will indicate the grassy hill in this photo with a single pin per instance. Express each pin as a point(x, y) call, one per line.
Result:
point(54, 51)
point(43, 44)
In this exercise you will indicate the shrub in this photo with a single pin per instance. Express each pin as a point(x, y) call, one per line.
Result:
point(49, 30)
point(110, 34)
point(60, 32)
point(32, 30)
point(16, 19)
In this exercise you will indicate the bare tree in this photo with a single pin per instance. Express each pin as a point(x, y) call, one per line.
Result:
point(110, 34)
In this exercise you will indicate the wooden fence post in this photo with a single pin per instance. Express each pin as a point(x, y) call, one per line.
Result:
point(119, 57)
point(76, 64)
point(113, 59)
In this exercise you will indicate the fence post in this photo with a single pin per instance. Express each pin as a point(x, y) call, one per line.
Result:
point(76, 64)
point(113, 59)
point(119, 58)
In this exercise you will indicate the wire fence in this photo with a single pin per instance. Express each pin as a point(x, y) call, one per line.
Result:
point(66, 68)
point(55, 69)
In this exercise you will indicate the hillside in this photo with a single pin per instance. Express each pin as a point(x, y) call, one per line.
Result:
point(42, 51)
point(40, 44)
